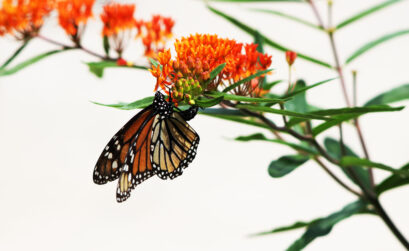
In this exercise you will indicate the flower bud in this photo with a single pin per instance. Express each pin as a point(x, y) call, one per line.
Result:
point(290, 57)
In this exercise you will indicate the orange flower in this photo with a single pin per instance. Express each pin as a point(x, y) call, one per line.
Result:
point(155, 34)
point(23, 18)
point(118, 22)
point(73, 16)
point(197, 56)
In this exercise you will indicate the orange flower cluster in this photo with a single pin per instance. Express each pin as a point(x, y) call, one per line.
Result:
point(155, 34)
point(198, 55)
point(118, 22)
point(23, 18)
point(73, 16)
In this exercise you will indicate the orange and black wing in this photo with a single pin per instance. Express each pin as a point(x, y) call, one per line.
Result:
point(174, 145)
point(114, 154)
point(138, 165)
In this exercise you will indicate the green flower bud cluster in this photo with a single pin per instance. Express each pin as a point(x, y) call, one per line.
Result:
point(186, 90)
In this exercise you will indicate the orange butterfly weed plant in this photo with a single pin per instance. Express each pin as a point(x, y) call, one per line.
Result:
point(23, 20)
point(188, 75)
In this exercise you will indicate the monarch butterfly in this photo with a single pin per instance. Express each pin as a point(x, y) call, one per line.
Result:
point(157, 140)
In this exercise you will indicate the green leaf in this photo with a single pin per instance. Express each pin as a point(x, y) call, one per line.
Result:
point(154, 62)
point(282, 112)
point(366, 12)
point(301, 90)
point(345, 114)
point(350, 161)
point(216, 71)
point(142, 103)
point(323, 226)
point(334, 150)
point(299, 101)
point(15, 54)
point(266, 40)
point(245, 80)
point(359, 110)
point(268, 86)
point(289, 17)
point(221, 111)
point(105, 43)
point(393, 181)
point(258, 39)
point(208, 102)
point(227, 96)
point(297, 225)
point(285, 165)
point(20, 66)
point(260, 136)
point(98, 67)
point(238, 120)
point(368, 46)
point(396, 94)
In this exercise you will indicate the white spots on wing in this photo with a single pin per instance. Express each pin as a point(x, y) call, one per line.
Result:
point(129, 177)
point(126, 168)
point(115, 164)
point(117, 142)
point(110, 156)
point(106, 148)
point(118, 147)
point(106, 154)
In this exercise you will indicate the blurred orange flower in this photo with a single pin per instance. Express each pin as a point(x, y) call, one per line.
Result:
point(155, 34)
point(198, 55)
point(73, 16)
point(118, 22)
point(24, 18)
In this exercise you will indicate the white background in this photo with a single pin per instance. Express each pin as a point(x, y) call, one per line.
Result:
point(51, 136)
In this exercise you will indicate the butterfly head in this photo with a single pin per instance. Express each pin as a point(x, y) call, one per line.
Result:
point(163, 107)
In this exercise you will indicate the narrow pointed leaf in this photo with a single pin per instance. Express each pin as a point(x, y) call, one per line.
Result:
point(106, 46)
point(365, 13)
point(266, 40)
point(289, 17)
point(370, 45)
point(350, 161)
point(268, 86)
point(208, 102)
point(285, 165)
point(333, 148)
point(227, 96)
point(15, 54)
point(238, 120)
point(297, 225)
point(393, 181)
point(301, 90)
point(28, 62)
point(323, 226)
point(221, 111)
point(245, 80)
point(396, 94)
point(281, 112)
point(215, 72)
point(260, 136)
point(98, 67)
point(142, 103)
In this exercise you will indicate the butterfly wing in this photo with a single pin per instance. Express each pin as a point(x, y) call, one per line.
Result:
point(138, 164)
point(114, 154)
point(174, 145)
